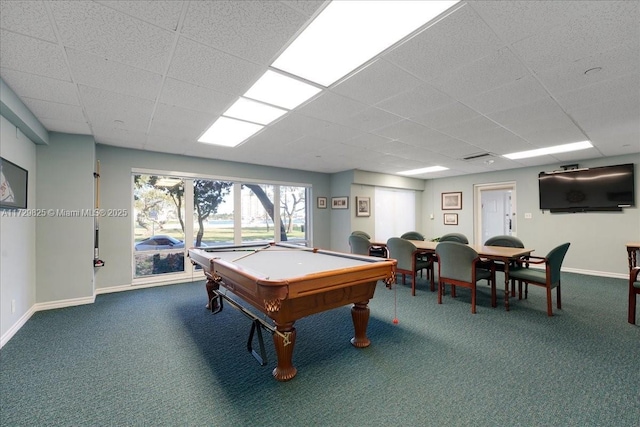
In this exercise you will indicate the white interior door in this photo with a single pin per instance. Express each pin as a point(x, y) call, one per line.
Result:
point(494, 211)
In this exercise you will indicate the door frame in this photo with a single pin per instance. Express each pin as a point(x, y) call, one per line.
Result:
point(477, 206)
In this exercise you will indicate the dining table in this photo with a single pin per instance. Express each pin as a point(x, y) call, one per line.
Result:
point(504, 254)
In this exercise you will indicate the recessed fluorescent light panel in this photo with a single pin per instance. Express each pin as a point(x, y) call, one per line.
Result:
point(283, 91)
point(346, 34)
point(229, 132)
point(550, 150)
point(253, 111)
point(423, 170)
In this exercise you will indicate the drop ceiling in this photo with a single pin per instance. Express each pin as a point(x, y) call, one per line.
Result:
point(491, 78)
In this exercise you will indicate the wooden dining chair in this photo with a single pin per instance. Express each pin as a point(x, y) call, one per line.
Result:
point(359, 244)
point(404, 252)
point(412, 235)
point(458, 265)
point(548, 278)
point(454, 237)
point(509, 242)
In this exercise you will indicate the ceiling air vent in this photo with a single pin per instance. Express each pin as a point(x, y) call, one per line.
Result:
point(477, 156)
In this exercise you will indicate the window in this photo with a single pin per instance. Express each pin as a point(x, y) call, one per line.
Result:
point(213, 212)
point(158, 225)
point(395, 212)
point(170, 210)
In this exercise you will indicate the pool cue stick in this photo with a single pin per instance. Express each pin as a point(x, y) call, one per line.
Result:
point(97, 262)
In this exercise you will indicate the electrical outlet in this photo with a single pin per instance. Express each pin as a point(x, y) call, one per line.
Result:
point(528, 216)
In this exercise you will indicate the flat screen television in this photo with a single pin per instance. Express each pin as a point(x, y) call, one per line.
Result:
point(608, 188)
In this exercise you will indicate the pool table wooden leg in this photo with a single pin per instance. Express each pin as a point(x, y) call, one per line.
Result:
point(360, 316)
point(211, 287)
point(284, 341)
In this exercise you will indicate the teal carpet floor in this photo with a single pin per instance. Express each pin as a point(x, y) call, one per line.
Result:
point(156, 357)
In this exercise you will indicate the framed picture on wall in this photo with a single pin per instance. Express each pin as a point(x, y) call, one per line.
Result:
point(13, 185)
point(363, 206)
point(322, 203)
point(450, 219)
point(339, 203)
point(452, 201)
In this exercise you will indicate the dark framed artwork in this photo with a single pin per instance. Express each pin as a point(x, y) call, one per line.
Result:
point(339, 203)
point(363, 206)
point(322, 203)
point(450, 219)
point(451, 201)
point(13, 185)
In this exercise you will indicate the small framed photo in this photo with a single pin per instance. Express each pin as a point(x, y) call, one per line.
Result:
point(339, 203)
point(363, 206)
point(451, 201)
point(322, 203)
point(450, 219)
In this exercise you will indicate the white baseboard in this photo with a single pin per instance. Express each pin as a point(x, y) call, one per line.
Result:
point(16, 326)
point(134, 286)
point(597, 273)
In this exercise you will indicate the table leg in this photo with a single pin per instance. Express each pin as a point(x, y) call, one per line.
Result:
point(360, 317)
point(284, 341)
point(506, 285)
point(212, 286)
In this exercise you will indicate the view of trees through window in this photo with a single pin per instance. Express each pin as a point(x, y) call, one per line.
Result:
point(163, 204)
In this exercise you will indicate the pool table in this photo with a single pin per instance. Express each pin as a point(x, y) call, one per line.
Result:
point(287, 282)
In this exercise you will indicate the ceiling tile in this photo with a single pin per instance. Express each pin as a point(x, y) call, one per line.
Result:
point(163, 13)
point(412, 133)
point(22, 53)
point(520, 92)
point(610, 25)
point(27, 17)
point(55, 111)
point(386, 77)
point(462, 38)
point(446, 116)
point(98, 72)
point(414, 102)
point(331, 107)
point(105, 109)
point(213, 69)
point(39, 87)
point(369, 119)
point(102, 31)
point(498, 69)
point(174, 121)
point(66, 126)
point(193, 97)
point(590, 70)
point(252, 30)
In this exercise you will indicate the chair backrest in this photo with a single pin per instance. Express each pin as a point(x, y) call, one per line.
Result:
point(454, 237)
point(455, 261)
point(361, 233)
point(359, 245)
point(555, 257)
point(412, 235)
point(402, 251)
point(505, 241)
